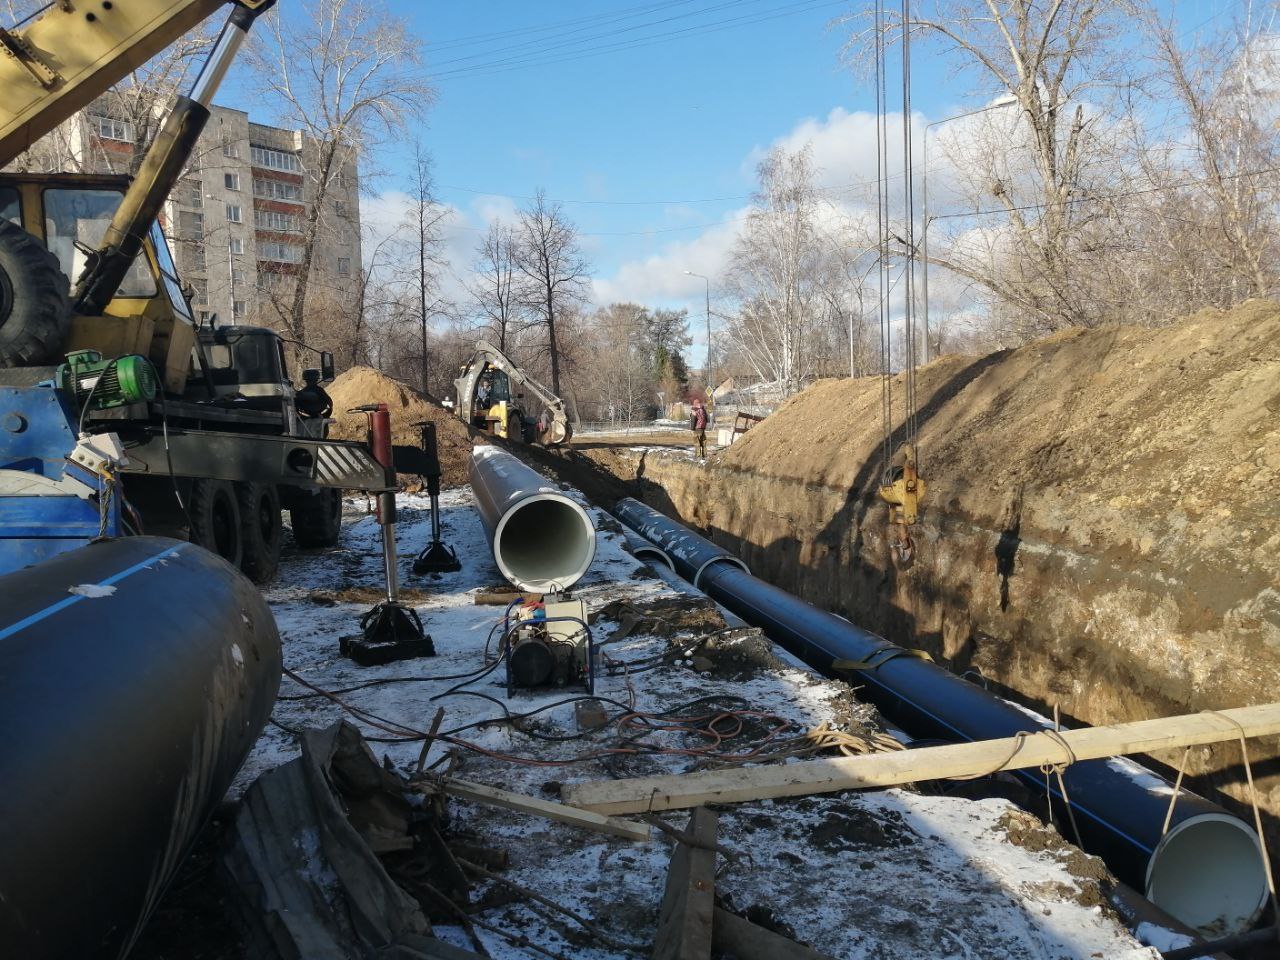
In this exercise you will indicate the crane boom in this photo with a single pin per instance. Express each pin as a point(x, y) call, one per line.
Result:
point(74, 51)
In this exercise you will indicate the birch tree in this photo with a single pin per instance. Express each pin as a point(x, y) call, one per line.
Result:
point(774, 266)
point(495, 291)
point(345, 73)
point(553, 270)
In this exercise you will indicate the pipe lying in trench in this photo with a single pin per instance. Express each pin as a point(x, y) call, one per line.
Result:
point(1207, 871)
point(541, 539)
point(135, 675)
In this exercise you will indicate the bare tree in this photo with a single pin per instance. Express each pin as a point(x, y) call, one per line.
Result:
point(553, 269)
point(344, 72)
point(425, 221)
point(775, 264)
point(1213, 199)
point(495, 289)
point(1050, 59)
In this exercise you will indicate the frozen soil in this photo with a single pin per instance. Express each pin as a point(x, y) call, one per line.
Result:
point(887, 874)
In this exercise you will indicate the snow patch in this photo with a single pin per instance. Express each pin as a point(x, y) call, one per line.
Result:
point(92, 590)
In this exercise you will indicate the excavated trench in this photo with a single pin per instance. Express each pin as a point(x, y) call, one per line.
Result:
point(1101, 535)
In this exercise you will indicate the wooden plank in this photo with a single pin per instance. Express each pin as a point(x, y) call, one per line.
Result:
point(500, 598)
point(688, 904)
point(913, 766)
point(743, 939)
point(535, 806)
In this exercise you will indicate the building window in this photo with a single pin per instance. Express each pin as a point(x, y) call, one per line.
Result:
point(191, 193)
point(197, 257)
point(276, 221)
point(237, 308)
point(231, 181)
point(201, 288)
point(236, 246)
point(234, 214)
point(340, 207)
point(204, 316)
point(344, 266)
point(276, 189)
point(280, 252)
point(109, 129)
point(237, 275)
point(275, 159)
point(191, 225)
point(230, 149)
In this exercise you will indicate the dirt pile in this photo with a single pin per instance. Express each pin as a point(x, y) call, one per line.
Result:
point(1101, 531)
point(1181, 417)
point(409, 407)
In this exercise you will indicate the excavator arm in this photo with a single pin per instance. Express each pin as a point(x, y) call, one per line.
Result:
point(75, 50)
point(487, 355)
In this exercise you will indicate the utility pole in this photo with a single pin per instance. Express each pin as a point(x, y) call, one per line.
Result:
point(711, 382)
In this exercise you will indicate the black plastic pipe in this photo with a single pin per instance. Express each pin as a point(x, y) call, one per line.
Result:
point(135, 675)
point(1207, 871)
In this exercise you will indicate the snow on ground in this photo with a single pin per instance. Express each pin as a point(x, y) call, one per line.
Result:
point(888, 874)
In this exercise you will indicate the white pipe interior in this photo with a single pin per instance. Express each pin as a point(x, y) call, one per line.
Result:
point(1208, 872)
point(545, 542)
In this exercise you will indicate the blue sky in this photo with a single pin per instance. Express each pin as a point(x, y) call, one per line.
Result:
point(677, 118)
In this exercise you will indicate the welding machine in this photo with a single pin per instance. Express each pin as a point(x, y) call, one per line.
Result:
point(549, 645)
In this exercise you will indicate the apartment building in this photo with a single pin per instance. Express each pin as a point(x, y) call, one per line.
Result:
point(237, 218)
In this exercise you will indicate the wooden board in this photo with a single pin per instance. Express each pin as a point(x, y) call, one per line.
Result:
point(500, 598)
point(913, 766)
point(535, 806)
point(688, 905)
point(743, 939)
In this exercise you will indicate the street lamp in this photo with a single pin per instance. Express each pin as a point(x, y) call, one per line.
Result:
point(711, 383)
point(1008, 101)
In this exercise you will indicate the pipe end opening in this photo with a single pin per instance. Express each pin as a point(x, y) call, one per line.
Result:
point(1208, 872)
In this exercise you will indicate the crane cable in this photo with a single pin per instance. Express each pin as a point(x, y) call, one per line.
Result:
point(882, 247)
point(901, 487)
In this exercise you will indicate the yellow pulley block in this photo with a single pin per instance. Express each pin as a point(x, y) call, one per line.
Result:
point(903, 494)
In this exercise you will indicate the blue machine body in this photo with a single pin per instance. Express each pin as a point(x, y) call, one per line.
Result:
point(43, 510)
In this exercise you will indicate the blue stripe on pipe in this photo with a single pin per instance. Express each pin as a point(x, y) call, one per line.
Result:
point(76, 598)
point(867, 675)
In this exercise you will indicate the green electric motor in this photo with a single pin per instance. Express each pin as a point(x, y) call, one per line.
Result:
point(107, 383)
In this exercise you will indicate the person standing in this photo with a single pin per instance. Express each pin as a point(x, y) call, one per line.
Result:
point(698, 423)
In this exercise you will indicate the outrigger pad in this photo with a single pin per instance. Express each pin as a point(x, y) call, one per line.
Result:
point(391, 632)
point(437, 558)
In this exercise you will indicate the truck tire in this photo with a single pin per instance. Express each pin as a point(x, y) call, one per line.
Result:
point(215, 519)
point(261, 530)
point(35, 310)
point(317, 520)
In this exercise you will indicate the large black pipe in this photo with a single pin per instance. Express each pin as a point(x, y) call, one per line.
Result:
point(1207, 871)
point(135, 675)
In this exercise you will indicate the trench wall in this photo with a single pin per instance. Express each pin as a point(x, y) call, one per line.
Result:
point(1102, 530)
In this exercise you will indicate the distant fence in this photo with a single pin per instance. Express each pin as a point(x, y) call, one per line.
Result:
point(618, 426)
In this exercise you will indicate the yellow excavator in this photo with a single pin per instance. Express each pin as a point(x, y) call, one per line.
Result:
point(491, 395)
point(117, 412)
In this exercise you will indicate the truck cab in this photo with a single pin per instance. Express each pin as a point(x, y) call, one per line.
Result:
point(69, 214)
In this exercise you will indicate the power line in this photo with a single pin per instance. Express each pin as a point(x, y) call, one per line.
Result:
point(543, 45)
point(476, 39)
point(535, 60)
